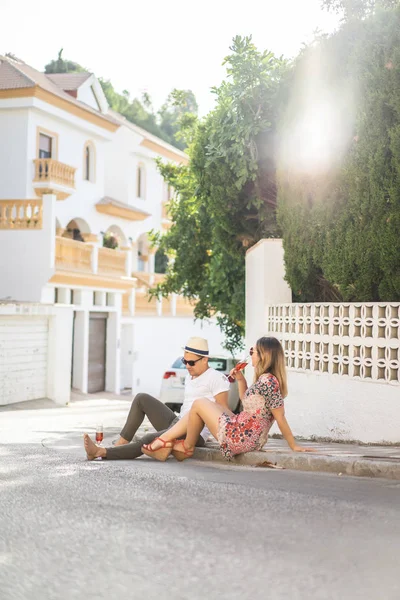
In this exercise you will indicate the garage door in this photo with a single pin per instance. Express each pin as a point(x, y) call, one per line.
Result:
point(97, 352)
point(23, 358)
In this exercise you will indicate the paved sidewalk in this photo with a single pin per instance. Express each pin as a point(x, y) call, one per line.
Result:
point(60, 428)
point(342, 459)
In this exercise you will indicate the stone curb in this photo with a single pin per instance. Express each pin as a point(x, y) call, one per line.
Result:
point(356, 467)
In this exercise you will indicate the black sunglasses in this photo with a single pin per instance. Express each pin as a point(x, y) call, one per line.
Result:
point(191, 363)
point(251, 351)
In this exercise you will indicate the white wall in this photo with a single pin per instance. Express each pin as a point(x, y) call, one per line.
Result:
point(60, 354)
point(158, 343)
point(265, 285)
point(85, 94)
point(123, 156)
point(339, 408)
point(13, 151)
point(28, 258)
point(37, 354)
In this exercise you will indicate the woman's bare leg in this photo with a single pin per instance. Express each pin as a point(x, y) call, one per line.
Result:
point(203, 412)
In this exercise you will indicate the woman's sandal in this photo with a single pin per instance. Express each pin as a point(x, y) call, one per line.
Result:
point(182, 454)
point(161, 453)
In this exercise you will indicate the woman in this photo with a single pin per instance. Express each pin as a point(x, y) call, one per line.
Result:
point(247, 431)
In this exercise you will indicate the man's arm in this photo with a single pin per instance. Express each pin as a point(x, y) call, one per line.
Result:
point(222, 400)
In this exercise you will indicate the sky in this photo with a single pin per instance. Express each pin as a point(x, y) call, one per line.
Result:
point(154, 46)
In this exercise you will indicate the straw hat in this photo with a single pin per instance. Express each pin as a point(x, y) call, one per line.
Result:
point(197, 345)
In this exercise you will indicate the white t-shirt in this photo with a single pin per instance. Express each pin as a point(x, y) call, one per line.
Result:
point(207, 385)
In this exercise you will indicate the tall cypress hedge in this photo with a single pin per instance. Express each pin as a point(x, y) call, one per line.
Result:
point(341, 224)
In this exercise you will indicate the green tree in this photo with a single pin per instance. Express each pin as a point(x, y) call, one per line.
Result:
point(225, 198)
point(60, 65)
point(341, 226)
point(179, 104)
point(357, 8)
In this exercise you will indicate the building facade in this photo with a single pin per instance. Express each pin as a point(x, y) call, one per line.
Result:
point(79, 192)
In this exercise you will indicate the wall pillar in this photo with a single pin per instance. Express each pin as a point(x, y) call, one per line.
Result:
point(113, 350)
point(64, 296)
point(59, 361)
point(81, 351)
point(135, 257)
point(265, 285)
point(95, 259)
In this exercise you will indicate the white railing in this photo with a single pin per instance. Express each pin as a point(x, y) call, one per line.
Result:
point(360, 341)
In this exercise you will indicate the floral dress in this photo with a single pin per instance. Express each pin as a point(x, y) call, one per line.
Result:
point(249, 429)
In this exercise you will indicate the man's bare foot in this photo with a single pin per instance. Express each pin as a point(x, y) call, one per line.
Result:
point(121, 442)
point(91, 449)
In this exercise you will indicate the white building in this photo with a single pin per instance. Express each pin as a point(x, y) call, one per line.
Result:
point(73, 312)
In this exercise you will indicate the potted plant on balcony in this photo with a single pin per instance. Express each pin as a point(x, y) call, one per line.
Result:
point(110, 240)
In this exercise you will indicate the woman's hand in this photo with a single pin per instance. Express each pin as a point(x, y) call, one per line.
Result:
point(238, 375)
point(297, 448)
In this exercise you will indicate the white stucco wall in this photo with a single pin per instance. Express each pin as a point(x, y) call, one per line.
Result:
point(13, 152)
point(339, 408)
point(265, 285)
point(123, 156)
point(60, 354)
point(27, 261)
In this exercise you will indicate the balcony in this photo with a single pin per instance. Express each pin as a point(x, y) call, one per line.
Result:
point(111, 262)
point(73, 256)
point(86, 264)
point(21, 214)
point(53, 177)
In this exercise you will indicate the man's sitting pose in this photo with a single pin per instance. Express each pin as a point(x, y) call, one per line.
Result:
point(201, 382)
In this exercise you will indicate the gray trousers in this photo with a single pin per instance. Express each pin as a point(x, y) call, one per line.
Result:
point(159, 415)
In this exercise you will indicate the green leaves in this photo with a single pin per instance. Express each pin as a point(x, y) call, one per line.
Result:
point(341, 226)
point(225, 197)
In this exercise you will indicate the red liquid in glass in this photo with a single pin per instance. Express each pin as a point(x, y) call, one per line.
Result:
point(239, 367)
point(99, 437)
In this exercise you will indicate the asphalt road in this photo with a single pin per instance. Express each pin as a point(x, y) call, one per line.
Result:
point(70, 529)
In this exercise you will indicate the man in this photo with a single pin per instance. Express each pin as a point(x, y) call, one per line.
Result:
point(201, 382)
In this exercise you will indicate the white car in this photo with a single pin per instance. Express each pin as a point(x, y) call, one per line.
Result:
point(173, 382)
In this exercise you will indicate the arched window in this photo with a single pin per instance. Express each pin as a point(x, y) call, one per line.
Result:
point(89, 162)
point(140, 182)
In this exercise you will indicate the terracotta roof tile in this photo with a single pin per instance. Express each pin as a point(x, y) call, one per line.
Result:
point(19, 74)
point(69, 81)
point(11, 78)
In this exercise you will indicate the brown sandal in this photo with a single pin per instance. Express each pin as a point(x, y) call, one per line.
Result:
point(182, 454)
point(160, 453)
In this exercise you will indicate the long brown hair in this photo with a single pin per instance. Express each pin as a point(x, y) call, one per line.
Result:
point(272, 360)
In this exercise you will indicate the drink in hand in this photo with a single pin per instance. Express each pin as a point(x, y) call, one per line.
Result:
point(239, 367)
point(99, 434)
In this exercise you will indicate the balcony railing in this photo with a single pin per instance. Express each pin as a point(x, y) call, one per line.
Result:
point(21, 214)
point(47, 169)
point(73, 256)
point(53, 177)
point(111, 261)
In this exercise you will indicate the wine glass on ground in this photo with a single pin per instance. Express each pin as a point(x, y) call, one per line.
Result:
point(99, 434)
